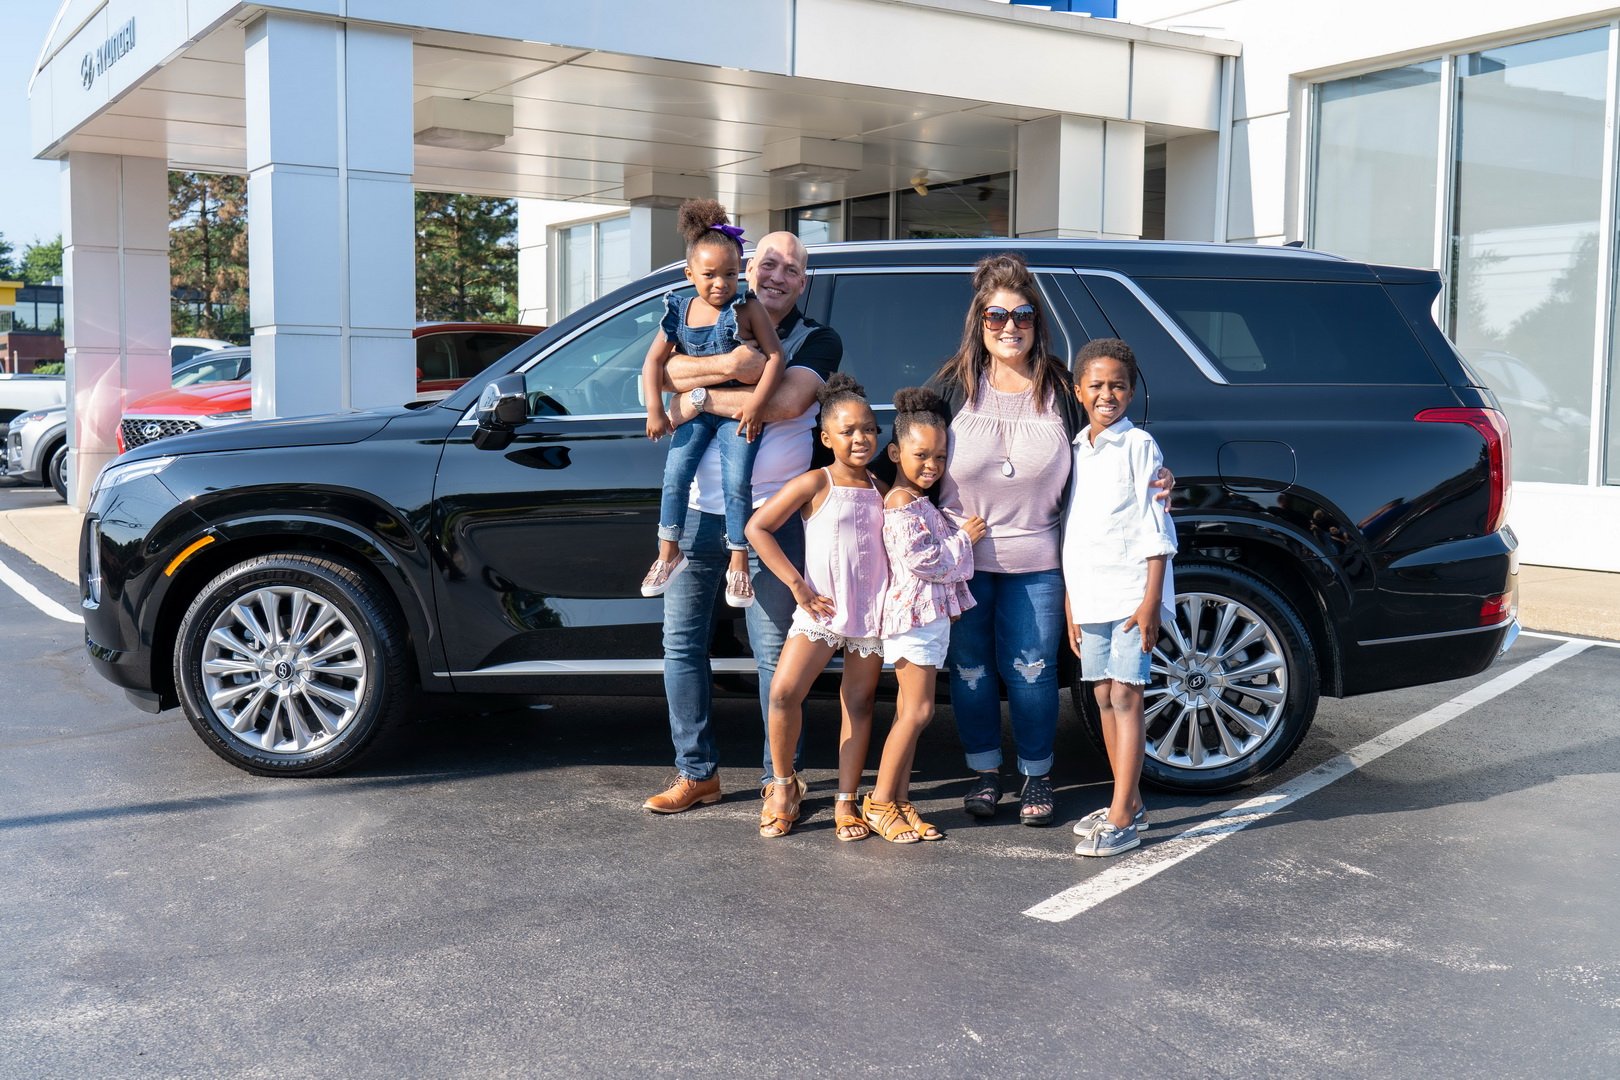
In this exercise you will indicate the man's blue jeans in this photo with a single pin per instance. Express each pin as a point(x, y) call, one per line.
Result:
point(689, 627)
point(1009, 638)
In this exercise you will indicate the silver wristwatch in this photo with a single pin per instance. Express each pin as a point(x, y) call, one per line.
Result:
point(700, 395)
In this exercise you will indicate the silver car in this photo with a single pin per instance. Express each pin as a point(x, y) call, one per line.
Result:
point(36, 448)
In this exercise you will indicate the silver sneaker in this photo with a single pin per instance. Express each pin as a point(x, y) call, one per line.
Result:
point(1108, 840)
point(1089, 824)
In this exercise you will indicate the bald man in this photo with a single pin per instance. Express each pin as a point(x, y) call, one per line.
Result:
point(721, 385)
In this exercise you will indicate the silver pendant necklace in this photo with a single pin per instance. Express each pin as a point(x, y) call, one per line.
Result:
point(1003, 429)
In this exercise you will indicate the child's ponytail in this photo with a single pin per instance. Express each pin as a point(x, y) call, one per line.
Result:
point(839, 388)
point(917, 406)
point(704, 221)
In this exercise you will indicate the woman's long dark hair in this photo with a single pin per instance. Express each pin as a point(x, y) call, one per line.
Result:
point(993, 274)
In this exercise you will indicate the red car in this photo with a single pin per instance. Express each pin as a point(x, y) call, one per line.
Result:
point(447, 355)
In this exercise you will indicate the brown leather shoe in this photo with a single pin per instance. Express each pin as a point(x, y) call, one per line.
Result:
point(683, 794)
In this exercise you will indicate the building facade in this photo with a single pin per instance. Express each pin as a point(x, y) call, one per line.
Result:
point(1462, 136)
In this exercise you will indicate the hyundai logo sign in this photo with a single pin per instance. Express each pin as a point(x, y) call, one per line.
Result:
point(117, 46)
point(151, 431)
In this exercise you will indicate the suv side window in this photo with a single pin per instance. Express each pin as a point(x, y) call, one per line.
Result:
point(898, 327)
point(1295, 331)
point(597, 372)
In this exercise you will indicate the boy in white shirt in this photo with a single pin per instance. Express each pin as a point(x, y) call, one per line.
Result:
point(1117, 543)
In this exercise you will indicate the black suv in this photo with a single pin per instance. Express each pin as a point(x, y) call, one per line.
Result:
point(1342, 488)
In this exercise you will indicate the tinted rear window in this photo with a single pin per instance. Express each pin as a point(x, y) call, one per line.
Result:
point(897, 328)
point(1295, 331)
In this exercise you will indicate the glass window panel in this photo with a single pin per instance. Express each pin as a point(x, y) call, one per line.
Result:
point(1377, 149)
point(612, 255)
point(819, 224)
point(598, 372)
point(898, 328)
point(977, 207)
point(1296, 331)
point(1524, 247)
point(869, 217)
point(577, 244)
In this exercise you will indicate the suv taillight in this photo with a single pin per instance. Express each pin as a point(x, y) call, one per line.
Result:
point(1493, 428)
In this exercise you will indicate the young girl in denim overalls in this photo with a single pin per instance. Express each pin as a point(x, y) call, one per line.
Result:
point(709, 324)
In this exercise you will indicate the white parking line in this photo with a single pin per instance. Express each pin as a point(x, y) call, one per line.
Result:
point(23, 589)
point(1162, 856)
point(1566, 637)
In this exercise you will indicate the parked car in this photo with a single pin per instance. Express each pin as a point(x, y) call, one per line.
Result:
point(1342, 491)
point(36, 448)
point(447, 355)
point(182, 349)
point(25, 393)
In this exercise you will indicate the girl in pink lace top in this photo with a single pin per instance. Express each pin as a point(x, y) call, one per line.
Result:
point(930, 561)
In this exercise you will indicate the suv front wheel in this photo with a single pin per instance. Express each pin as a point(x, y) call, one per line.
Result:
point(1233, 687)
point(289, 665)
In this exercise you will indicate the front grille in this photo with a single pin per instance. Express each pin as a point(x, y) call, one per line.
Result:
point(140, 432)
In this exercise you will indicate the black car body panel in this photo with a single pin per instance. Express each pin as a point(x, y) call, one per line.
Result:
point(517, 570)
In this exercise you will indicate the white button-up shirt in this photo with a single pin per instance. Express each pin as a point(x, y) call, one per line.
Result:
point(1113, 525)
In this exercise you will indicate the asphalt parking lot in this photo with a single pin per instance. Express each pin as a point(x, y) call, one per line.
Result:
point(1430, 887)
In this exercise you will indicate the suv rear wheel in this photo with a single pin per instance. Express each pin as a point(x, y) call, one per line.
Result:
point(1234, 684)
point(56, 468)
point(289, 665)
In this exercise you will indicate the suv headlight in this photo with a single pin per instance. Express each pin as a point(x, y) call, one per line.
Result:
point(123, 472)
point(26, 418)
point(240, 414)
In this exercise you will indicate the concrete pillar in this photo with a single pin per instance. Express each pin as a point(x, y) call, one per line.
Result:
point(654, 241)
point(331, 228)
point(1191, 172)
point(115, 263)
point(1080, 177)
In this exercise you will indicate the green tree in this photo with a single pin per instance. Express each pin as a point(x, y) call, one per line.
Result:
point(42, 262)
point(208, 254)
point(8, 269)
point(466, 258)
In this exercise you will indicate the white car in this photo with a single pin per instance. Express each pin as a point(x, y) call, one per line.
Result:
point(36, 448)
point(25, 393)
point(182, 349)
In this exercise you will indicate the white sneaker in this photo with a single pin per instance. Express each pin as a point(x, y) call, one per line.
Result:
point(1090, 823)
point(1108, 840)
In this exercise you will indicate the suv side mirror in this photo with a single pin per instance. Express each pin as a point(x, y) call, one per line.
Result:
point(502, 406)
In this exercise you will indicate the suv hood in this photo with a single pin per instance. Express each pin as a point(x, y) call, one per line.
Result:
point(334, 429)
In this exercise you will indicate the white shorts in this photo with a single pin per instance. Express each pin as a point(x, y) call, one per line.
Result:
point(924, 645)
point(806, 627)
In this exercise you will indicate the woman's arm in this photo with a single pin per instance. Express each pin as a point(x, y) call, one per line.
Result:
point(652, 385)
point(796, 496)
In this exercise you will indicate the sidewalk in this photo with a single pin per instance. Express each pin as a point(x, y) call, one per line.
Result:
point(1585, 603)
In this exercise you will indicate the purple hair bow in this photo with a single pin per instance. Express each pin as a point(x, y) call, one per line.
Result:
point(732, 231)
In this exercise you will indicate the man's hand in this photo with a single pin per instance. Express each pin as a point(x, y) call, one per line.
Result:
point(747, 362)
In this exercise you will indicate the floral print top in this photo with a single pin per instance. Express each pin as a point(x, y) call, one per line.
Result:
point(930, 561)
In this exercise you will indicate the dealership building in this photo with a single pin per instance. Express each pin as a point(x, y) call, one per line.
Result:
point(1476, 137)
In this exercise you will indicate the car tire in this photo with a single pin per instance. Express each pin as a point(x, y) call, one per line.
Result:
point(1207, 730)
point(291, 665)
point(56, 469)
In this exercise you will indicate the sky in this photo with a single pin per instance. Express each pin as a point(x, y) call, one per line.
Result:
point(30, 191)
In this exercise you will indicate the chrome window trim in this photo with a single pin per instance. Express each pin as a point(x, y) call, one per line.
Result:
point(1193, 350)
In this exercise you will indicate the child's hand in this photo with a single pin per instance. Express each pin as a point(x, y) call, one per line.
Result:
point(1074, 638)
point(658, 425)
point(1164, 480)
point(974, 527)
point(1146, 619)
point(749, 424)
point(818, 607)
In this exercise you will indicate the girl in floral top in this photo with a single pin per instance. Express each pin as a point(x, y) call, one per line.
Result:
point(930, 561)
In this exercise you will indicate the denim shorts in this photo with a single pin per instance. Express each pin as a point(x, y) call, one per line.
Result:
point(1109, 651)
point(924, 645)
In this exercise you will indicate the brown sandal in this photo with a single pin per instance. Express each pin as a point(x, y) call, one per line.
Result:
point(888, 822)
point(773, 825)
point(918, 825)
point(847, 816)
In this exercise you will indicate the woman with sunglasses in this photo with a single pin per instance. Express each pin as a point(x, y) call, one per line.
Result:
point(1013, 415)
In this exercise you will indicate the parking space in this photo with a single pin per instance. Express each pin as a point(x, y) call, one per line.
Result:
point(485, 895)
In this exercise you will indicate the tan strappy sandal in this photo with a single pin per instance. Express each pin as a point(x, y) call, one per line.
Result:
point(846, 815)
point(888, 822)
point(773, 825)
point(918, 825)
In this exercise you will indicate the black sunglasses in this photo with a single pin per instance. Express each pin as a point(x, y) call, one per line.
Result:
point(1022, 317)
